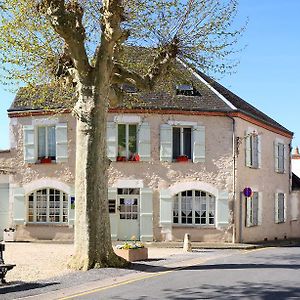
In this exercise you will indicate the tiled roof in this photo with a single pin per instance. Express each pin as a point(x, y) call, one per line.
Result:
point(211, 99)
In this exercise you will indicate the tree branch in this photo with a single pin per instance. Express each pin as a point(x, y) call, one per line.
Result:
point(148, 81)
point(66, 19)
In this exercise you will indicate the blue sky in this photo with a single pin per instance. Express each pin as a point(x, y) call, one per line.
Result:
point(268, 74)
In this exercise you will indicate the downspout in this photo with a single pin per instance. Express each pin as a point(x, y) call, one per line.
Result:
point(234, 155)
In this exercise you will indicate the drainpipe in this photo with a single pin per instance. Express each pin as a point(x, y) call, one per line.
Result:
point(234, 147)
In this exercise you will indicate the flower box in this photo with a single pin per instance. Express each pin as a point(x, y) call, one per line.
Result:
point(46, 160)
point(182, 158)
point(135, 157)
point(133, 254)
point(9, 235)
point(121, 158)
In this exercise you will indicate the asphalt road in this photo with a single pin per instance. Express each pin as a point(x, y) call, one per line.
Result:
point(268, 273)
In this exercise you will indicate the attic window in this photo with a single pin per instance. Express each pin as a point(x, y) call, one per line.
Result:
point(129, 88)
point(186, 90)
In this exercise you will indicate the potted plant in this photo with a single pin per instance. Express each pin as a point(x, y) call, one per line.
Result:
point(182, 158)
point(46, 160)
point(121, 158)
point(132, 251)
point(134, 157)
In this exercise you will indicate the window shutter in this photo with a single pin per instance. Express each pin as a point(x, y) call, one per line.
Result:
point(247, 150)
point(111, 140)
point(19, 207)
point(248, 212)
point(285, 207)
point(29, 144)
point(61, 142)
point(166, 142)
point(260, 208)
point(276, 159)
point(222, 216)
point(259, 153)
point(144, 142)
point(72, 210)
point(199, 144)
point(286, 159)
point(166, 207)
point(276, 208)
point(254, 151)
point(114, 218)
point(146, 215)
point(255, 208)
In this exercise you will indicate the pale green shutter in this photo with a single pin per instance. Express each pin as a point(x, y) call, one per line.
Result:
point(29, 144)
point(199, 144)
point(19, 206)
point(114, 218)
point(248, 212)
point(285, 207)
point(4, 206)
point(112, 141)
point(144, 142)
point(222, 216)
point(255, 154)
point(166, 208)
point(255, 208)
point(286, 159)
point(146, 215)
point(276, 208)
point(72, 207)
point(61, 142)
point(276, 158)
point(248, 151)
point(166, 142)
point(260, 208)
point(259, 153)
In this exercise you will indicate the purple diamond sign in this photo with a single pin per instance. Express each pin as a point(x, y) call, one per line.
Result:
point(247, 192)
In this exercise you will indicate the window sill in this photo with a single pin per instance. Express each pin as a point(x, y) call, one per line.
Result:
point(46, 224)
point(194, 225)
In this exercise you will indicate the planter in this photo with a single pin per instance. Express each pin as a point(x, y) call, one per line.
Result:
point(46, 161)
point(121, 158)
point(182, 158)
point(135, 157)
point(133, 254)
point(9, 236)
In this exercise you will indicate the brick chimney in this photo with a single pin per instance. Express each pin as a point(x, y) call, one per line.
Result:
point(296, 154)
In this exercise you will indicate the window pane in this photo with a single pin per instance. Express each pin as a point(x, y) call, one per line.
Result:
point(176, 142)
point(121, 140)
point(187, 144)
point(41, 142)
point(132, 139)
point(51, 142)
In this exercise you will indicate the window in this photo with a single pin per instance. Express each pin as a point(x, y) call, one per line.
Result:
point(46, 142)
point(112, 206)
point(252, 208)
point(279, 208)
point(182, 142)
point(186, 90)
point(279, 157)
point(252, 150)
point(48, 206)
point(128, 203)
point(127, 141)
point(194, 207)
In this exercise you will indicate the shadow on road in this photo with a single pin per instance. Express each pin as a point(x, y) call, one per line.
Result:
point(23, 286)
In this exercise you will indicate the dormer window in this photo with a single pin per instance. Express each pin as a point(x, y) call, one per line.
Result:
point(129, 88)
point(186, 90)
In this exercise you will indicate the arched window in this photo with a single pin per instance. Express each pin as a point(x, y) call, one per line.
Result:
point(48, 206)
point(194, 208)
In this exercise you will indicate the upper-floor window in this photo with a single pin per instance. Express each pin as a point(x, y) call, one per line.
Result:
point(127, 141)
point(253, 210)
point(48, 206)
point(280, 153)
point(46, 142)
point(253, 150)
point(194, 207)
point(186, 90)
point(279, 208)
point(182, 142)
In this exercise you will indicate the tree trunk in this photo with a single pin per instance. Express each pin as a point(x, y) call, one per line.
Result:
point(93, 247)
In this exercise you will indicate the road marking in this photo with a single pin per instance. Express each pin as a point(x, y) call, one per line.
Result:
point(257, 249)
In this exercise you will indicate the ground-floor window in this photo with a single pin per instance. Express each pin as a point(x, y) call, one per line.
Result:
point(252, 207)
point(194, 207)
point(48, 206)
point(279, 208)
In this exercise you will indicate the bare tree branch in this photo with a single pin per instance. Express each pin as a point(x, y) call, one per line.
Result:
point(66, 19)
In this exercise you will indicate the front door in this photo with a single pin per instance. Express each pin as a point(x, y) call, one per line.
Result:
point(129, 221)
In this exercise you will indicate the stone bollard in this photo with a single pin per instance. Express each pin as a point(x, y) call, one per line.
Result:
point(187, 244)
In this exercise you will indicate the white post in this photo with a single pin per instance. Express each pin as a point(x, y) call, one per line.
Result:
point(187, 245)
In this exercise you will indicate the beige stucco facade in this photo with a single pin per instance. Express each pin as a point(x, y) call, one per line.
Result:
point(223, 174)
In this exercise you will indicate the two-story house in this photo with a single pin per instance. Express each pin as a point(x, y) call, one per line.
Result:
point(201, 161)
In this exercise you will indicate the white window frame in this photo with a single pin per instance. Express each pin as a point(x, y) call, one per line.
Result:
point(61, 208)
point(46, 140)
point(279, 220)
point(181, 145)
point(179, 209)
point(127, 138)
